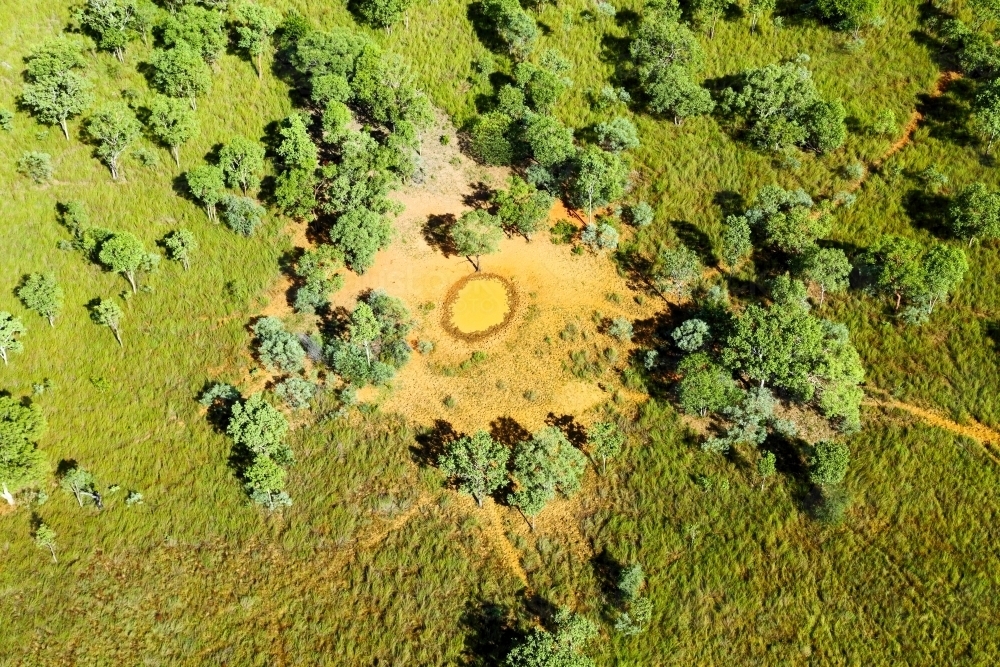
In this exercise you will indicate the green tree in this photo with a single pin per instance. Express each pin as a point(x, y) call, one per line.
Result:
point(36, 166)
point(55, 92)
point(364, 328)
point(478, 462)
point(522, 208)
point(618, 134)
point(45, 538)
point(736, 240)
point(383, 13)
point(41, 293)
point(260, 428)
point(709, 12)
point(829, 268)
point(490, 140)
point(255, 24)
point(986, 113)
point(10, 329)
point(550, 142)
point(756, 9)
point(181, 72)
point(114, 23)
point(206, 184)
point(317, 270)
point(543, 466)
point(514, 26)
point(780, 346)
point(944, 268)
point(242, 214)
point(21, 462)
point(81, 483)
point(676, 269)
point(360, 234)
point(200, 28)
point(295, 193)
point(543, 84)
point(108, 313)
point(975, 213)
point(606, 441)
point(850, 15)
point(295, 147)
point(704, 386)
point(894, 266)
point(765, 467)
point(829, 462)
point(123, 253)
point(113, 127)
point(564, 647)
point(474, 234)
point(264, 480)
point(180, 243)
point(786, 219)
point(173, 123)
point(241, 161)
point(601, 178)
point(277, 348)
point(691, 335)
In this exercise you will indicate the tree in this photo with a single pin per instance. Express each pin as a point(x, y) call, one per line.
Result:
point(207, 185)
point(601, 178)
point(757, 8)
point(277, 348)
point(550, 142)
point(829, 268)
point(543, 466)
point(786, 219)
point(45, 538)
point(672, 92)
point(944, 268)
point(10, 329)
point(260, 428)
point(360, 234)
point(704, 386)
point(181, 72)
point(514, 26)
point(55, 92)
point(543, 84)
point(894, 265)
point(241, 161)
point(765, 467)
point(709, 12)
point(618, 134)
point(829, 462)
point(296, 148)
point(479, 463)
point(986, 113)
point(691, 335)
point(255, 24)
point(850, 15)
point(180, 243)
point(383, 13)
point(561, 648)
point(975, 213)
point(264, 480)
point(606, 441)
point(21, 462)
point(296, 392)
point(113, 127)
point(676, 269)
point(779, 345)
point(242, 214)
point(36, 166)
point(81, 484)
point(295, 193)
point(522, 209)
point(123, 253)
point(375, 344)
point(736, 241)
point(490, 142)
point(41, 293)
point(476, 233)
point(115, 23)
point(198, 27)
point(108, 313)
point(173, 123)
point(316, 269)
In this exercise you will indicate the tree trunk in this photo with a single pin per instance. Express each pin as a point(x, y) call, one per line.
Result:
point(260, 68)
point(753, 23)
point(52, 550)
point(989, 144)
point(7, 495)
point(604, 466)
point(113, 165)
point(120, 54)
point(186, 263)
point(899, 299)
point(118, 337)
point(176, 150)
point(62, 124)
point(3, 354)
point(131, 279)
point(52, 320)
point(194, 103)
point(479, 500)
point(711, 33)
point(822, 295)
point(76, 492)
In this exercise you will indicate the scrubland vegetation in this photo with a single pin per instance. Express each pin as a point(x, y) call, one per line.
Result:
point(193, 468)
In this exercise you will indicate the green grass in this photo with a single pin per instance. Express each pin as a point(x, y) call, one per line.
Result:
point(196, 575)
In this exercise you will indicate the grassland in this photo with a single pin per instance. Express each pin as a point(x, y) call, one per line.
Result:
point(376, 563)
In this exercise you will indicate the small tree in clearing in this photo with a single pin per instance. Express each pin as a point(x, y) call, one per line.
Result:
point(108, 313)
point(606, 441)
point(181, 72)
point(543, 466)
point(41, 293)
point(45, 538)
point(55, 92)
point(765, 467)
point(180, 243)
point(479, 463)
point(10, 329)
point(254, 26)
point(174, 123)
point(242, 160)
point(123, 253)
point(207, 186)
point(829, 268)
point(113, 128)
point(81, 484)
point(476, 233)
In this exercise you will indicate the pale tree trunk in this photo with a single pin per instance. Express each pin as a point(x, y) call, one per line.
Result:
point(260, 67)
point(753, 23)
point(176, 150)
point(186, 263)
point(52, 320)
point(52, 550)
point(194, 103)
point(65, 129)
point(3, 355)
point(131, 279)
point(899, 299)
point(118, 337)
point(120, 55)
point(7, 495)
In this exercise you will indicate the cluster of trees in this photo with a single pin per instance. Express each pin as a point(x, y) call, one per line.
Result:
point(974, 214)
point(241, 162)
point(537, 469)
point(258, 431)
point(373, 346)
point(316, 272)
point(22, 464)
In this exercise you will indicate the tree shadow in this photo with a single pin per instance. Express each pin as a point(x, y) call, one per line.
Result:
point(947, 116)
point(480, 196)
point(608, 572)
point(491, 632)
point(730, 202)
point(695, 239)
point(928, 210)
point(507, 431)
point(437, 233)
point(484, 29)
point(431, 442)
point(574, 431)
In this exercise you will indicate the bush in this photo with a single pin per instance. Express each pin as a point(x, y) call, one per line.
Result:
point(641, 214)
point(242, 214)
point(563, 232)
point(621, 329)
point(36, 166)
point(489, 139)
point(6, 120)
point(296, 392)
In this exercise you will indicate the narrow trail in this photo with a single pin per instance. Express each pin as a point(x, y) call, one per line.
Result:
point(985, 436)
point(492, 527)
point(940, 86)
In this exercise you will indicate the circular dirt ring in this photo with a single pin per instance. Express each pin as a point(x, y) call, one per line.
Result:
point(478, 306)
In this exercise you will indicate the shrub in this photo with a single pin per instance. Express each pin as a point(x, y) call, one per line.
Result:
point(36, 166)
point(296, 392)
point(641, 214)
point(621, 329)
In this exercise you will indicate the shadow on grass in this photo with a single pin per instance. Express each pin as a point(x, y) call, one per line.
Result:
point(491, 631)
point(431, 442)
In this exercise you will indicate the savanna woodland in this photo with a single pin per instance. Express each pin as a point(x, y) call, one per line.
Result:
point(539, 334)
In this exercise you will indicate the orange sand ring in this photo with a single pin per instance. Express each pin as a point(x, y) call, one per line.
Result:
point(478, 306)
